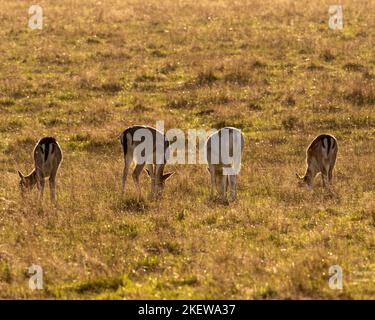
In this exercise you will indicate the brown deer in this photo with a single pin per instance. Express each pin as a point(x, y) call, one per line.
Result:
point(47, 156)
point(320, 158)
point(146, 146)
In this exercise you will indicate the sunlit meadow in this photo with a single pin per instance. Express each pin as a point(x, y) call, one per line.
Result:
point(273, 69)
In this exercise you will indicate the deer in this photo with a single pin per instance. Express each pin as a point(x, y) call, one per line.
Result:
point(146, 146)
point(47, 157)
point(224, 150)
point(320, 158)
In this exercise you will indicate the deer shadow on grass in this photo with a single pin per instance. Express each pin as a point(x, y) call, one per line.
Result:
point(216, 200)
point(132, 205)
point(316, 196)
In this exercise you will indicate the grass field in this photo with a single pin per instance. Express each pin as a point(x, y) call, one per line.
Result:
point(271, 68)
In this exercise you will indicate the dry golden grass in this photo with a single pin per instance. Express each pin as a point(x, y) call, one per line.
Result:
point(272, 68)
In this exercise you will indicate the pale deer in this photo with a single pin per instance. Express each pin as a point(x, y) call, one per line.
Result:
point(224, 151)
point(47, 156)
point(320, 158)
point(146, 146)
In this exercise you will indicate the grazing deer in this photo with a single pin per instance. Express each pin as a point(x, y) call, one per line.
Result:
point(47, 158)
point(218, 148)
point(153, 153)
point(320, 157)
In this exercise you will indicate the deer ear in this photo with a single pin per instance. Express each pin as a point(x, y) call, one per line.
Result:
point(298, 176)
point(20, 174)
point(148, 172)
point(168, 175)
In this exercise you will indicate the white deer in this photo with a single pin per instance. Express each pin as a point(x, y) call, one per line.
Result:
point(224, 151)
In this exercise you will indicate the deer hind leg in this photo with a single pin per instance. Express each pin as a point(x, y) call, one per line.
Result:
point(330, 171)
point(223, 187)
point(128, 161)
point(211, 169)
point(330, 175)
point(233, 187)
point(136, 173)
point(52, 184)
point(325, 176)
point(40, 182)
